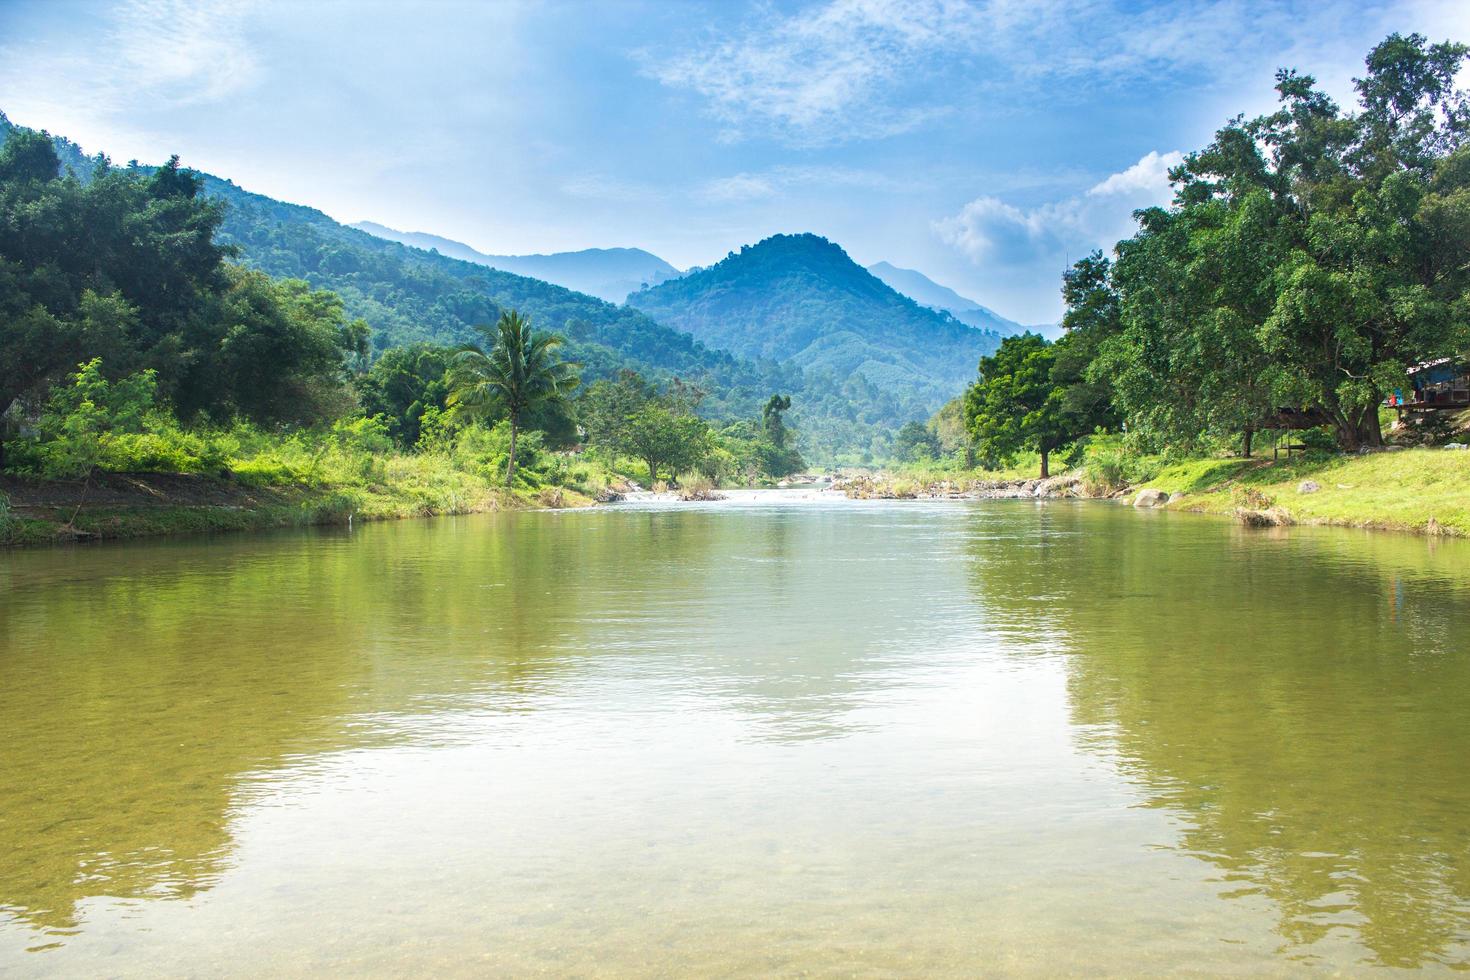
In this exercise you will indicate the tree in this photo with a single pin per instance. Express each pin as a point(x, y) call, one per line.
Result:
point(125, 266)
point(403, 384)
point(771, 419)
point(1092, 317)
point(666, 440)
point(522, 372)
point(1015, 405)
point(85, 413)
point(916, 442)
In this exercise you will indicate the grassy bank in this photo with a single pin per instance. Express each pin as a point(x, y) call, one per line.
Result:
point(1418, 490)
point(244, 479)
point(135, 505)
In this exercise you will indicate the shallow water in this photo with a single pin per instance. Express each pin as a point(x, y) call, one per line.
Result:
point(777, 734)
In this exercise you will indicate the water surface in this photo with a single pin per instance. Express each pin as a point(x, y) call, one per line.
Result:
point(795, 736)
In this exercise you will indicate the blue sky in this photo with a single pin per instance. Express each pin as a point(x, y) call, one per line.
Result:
point(985, 144)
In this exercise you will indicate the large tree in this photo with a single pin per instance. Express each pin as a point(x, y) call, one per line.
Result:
point(521, 372)
point(1015, 405)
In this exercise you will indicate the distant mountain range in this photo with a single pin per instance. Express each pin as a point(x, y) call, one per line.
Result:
point(927, 292)
point(800, 298)
point(607, 273)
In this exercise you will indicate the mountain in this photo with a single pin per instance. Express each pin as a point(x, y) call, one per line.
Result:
point(800, 299)
point(927, 292)
point(607, 273)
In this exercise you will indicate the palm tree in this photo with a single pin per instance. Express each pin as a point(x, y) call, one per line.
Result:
point(522, 372)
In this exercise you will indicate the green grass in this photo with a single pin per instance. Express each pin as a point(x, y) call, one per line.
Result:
point(1400, 490)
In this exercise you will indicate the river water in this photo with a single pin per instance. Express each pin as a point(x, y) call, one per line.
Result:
point(778, 735)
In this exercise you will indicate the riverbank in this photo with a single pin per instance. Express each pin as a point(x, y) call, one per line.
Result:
point(1424, 491)
point(113, 506)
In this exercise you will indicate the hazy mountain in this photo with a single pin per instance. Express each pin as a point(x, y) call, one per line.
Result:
point(801, 299)
point(927, 292)
point(607, 273)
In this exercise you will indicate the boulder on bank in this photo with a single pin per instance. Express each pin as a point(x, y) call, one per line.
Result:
point(1308, 486)
point(1066, 485)
point(1269, 517)
point(1150, 498)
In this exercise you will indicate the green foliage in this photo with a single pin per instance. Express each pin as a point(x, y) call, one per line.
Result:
point(402, 386)
point(1309, 257)
point(84, 417)
point(1108, 465)
point(125, 266)
point(1016, 405)
point(916, 442)
point(486, 450)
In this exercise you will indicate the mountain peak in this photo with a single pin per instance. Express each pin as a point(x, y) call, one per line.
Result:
point(800, 299)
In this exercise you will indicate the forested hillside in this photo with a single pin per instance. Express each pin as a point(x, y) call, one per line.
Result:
point(800, 299)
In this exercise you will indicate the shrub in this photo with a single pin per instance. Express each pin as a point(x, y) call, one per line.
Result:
point(84, 418)
point(1110, 465)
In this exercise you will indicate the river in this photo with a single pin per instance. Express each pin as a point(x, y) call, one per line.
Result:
point(780, 734)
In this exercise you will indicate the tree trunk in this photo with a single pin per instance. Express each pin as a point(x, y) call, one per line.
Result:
point(1370, 430)
point(652, 473)
point(1045, 454)
point(510, 463)
point(1245, 449)
point(1348, 439)
point(969, 456)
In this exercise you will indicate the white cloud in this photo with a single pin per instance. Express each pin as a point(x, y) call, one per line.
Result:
point(988, 230)
point(602, 187)
point(1149, 175)
point(739, 187)
point(157, 55)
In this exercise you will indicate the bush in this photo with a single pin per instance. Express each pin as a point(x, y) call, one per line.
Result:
point(84, 418)
point(1108, 466)
point(484, 452)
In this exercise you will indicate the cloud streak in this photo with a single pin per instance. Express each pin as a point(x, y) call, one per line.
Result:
point(802, 76)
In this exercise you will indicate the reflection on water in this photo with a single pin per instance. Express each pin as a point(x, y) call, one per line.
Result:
point(823, 736)
point(1299, 703)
